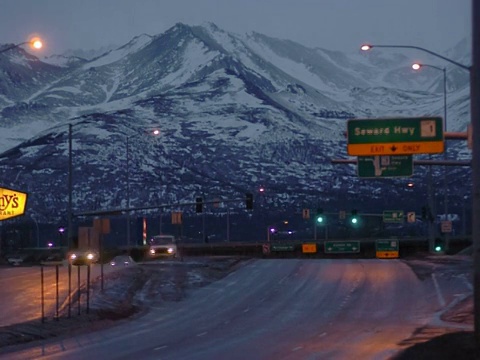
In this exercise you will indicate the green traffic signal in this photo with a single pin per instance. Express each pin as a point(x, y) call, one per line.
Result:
point(320, 218)
point(354, 220)
point(438, 248)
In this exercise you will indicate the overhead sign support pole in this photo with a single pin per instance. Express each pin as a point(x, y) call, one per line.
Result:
point(475, 113)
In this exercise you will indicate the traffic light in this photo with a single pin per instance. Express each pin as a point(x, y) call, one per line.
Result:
point(199, 204)
point(439, 245)
point(320, 218)
point(249, 201)
point(354, 218)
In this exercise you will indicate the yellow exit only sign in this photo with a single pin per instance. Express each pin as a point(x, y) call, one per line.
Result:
point(309, 248)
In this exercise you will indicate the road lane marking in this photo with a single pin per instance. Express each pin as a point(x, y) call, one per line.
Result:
point(160, 347)
point(441, 300)
point(467, 283)
point(202, 334)
point(297, 348)
point(246, 310)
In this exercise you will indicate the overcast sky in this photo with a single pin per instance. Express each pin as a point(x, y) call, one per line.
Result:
point(330, 24)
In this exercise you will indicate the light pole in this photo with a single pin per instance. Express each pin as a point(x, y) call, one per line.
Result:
point(416, 67)
point(35, 43)
point(367, 47)
point(154, 132)
point(475, 121)
point(70, 190)
point(128, 192)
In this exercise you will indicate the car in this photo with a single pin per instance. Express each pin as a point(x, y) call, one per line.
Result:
point(162, 246)
point(82, 257)
point(16, 259)
point(122, 260)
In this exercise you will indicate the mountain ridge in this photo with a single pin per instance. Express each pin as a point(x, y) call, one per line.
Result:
point(235, 112)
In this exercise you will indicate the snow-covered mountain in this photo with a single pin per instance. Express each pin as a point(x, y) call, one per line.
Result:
point(235, 112)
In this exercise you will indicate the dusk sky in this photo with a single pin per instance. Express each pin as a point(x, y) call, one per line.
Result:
point(331, 24)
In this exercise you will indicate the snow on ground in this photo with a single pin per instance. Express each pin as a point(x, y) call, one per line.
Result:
point(132, 289)
point(129, 291)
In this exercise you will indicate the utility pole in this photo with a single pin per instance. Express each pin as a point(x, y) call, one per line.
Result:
point(475, 113)
point(70, 190)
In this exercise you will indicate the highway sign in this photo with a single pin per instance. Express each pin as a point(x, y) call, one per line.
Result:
point(393, 216)
point(422, 135)
point(306, 213)
point(387, 249)
point(411, 217)
point(446, 226)
point(309, 248)
point(384, 166)
point(340, 247)
point(266, 249)
point(282, 247)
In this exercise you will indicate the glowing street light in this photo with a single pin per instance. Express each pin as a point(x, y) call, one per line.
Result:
point(416, 67)
point(35, 43)
point(368, 47)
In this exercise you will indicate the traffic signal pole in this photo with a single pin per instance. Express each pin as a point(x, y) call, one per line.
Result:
point(475, 113)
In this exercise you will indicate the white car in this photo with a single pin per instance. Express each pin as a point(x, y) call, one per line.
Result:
point(162, 246)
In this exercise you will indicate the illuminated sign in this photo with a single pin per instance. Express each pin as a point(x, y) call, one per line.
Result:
point(404, 136)
point(12, 203)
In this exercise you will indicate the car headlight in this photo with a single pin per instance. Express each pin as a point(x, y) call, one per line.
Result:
point(152, 251)
point(90, 256)
point(73, 256)
point(170, 250)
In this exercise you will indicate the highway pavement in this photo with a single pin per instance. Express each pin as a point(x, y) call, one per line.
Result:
point(276, 309)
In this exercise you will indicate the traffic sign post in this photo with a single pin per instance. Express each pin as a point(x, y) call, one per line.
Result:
point(387, 249)
point(393, 216)
point(446, 226)
point(411, 218)
point(384, 166)
point(282, 247)
point(402, 136)
point(342, 247)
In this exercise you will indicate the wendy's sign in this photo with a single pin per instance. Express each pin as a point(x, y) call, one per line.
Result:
point(12, 203)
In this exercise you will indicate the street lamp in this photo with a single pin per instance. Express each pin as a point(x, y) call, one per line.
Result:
point(417, 67)
point(35, 43)
point(367, 47)
point(155, 132)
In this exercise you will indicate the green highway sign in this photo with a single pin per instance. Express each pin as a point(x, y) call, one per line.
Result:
point(393, 216)
point(403, 136)
point(282, 247)
point(387, 249)
point(384, 166)
point(340, 247)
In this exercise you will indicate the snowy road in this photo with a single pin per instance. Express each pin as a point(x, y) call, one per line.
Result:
point(277, 309)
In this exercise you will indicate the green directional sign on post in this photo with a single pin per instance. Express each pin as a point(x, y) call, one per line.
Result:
point(384, 166)
point(423, 135)
point(341, 247)
point(393, 216)
point(387, 249)
point(282, 247)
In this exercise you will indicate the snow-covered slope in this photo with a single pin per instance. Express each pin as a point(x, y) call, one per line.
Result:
point(235, 112)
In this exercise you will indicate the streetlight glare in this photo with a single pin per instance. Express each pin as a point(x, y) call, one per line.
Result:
point(416, 66)
point(156, 132)
point(37, 44)
point(366, 47)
